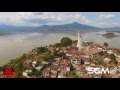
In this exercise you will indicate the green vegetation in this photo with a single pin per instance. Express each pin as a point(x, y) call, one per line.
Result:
point(53, 67)
point(105, 44)
point(72, 73)
point(65, 41)
point(57, 45)
point(38, 73)
point(41, 50)
point(113, 58)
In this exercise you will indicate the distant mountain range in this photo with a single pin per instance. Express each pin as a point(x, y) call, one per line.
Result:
point(71, 26)
point(9, 28)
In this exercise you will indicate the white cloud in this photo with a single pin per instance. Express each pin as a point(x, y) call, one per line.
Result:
point(106, 16)
point(108, 24)
point(40, 18)
point(78, 17)
point(47, 18)
point(107, 20)
point(103, 23)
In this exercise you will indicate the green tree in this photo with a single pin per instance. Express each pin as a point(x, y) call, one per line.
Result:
point(72, 73)
point(18, 69)
point(65, 41)
point(48, 57)
point(57, 44)
point(1, 68)
point(71, 68)
point(113, 58)
point(105, 44)
point(41, 50)
point(38, 73)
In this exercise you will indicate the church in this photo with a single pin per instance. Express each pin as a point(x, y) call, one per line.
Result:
point(80, 42)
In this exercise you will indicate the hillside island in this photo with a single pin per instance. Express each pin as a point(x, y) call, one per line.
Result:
point(66, 59)
point(110, 35)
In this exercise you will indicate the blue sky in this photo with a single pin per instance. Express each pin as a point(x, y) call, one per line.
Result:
point(98, 19)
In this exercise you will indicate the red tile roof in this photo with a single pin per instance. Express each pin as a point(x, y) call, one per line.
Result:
point(82, 67)
point(73, 52)
point(91, 51)
point(118, 60)
point(98, 45)
point(63, 62)
point(46, 70)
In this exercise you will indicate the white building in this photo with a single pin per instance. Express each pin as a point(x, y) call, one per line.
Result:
point(26, 72)
point(110, 52)
point(39, 67)
point(34, 63)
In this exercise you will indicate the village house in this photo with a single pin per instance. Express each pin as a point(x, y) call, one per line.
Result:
point(85, 61)
point(118, 60)
point(39, 67)
point(26, 73)
point(76, 61)
point(73, 54)
point(53, 74)
point(90, 53)
point(110, 52)
point(57, 58)
point(80, 69)
point(44, 62)
point(56, 62)
point(64, 65)
point(62, 74)
point(34, 63)
point(64, 68)
point(46, 72)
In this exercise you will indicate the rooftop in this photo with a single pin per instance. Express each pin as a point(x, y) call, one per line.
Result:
point(46, 70)
point(91, 51)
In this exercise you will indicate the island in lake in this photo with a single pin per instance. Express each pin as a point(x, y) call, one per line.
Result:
point(110, 35)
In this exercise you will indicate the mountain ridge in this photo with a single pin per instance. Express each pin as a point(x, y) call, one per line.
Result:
point(69, 26)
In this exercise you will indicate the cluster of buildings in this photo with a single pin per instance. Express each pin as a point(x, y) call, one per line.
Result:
point(79, 59)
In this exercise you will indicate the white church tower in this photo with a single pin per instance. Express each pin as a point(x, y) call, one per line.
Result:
point(79, 43)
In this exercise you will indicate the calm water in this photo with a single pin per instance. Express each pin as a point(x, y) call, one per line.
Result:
point(14, 45)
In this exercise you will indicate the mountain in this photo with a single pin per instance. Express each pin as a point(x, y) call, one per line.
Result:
point(115, 28)
point(72, 26)
point(64, 27)
point(10, 28)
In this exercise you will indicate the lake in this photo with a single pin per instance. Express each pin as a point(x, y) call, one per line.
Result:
point(14, 45)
